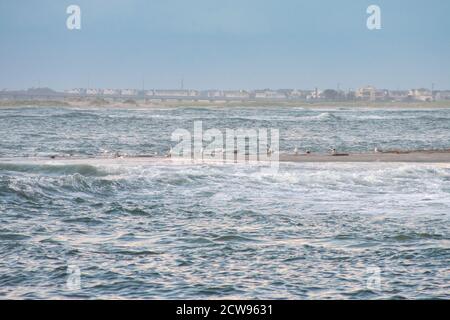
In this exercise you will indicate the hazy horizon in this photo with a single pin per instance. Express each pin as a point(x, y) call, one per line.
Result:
point(232, 45)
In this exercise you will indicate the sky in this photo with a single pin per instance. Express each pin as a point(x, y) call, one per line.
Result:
point(233, 44)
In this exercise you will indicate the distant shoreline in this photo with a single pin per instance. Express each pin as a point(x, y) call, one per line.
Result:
point(131, 104)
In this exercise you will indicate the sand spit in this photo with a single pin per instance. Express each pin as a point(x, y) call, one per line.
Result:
point(428, 156)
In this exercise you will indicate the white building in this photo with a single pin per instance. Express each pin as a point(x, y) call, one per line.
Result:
point(269, 94)
point(77, 91)
point(93, 92)
point(110, 92)
point(214, 93)
point(371, 93)
point(176, 93)
point(128, 92)
point(421, 94)
point(299, 94)
point(314, 94)
point(366, 93)
point(398, 95)
point(236, 94)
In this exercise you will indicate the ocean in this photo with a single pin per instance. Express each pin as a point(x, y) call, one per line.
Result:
point(159, 230)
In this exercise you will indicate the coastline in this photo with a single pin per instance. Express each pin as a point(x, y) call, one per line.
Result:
point(432, 156)
point(87, 103)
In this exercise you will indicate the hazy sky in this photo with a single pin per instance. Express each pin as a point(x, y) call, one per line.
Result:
point(224, 44)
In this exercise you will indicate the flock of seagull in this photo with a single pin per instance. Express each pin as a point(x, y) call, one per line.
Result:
point(213, 152)
point(333, 151)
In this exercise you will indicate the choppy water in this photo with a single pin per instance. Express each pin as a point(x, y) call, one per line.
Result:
point(41, 131)
point(159, 230)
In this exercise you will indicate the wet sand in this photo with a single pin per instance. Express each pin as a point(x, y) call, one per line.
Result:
point(414, 156)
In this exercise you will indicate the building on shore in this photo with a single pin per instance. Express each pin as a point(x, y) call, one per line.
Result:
point(175, 93)
point(367, 93)
point(422, 94)
point(212, 93)
point(76, 91)
point(314, 94)
point(398, 95)
point(110, 92)
point(269, 94)
point(370, 93)
point(237, 94)
point(128, 92)
point(93, 92)
point(298, 94)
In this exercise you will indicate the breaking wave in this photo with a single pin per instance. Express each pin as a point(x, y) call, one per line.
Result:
point(57, 169)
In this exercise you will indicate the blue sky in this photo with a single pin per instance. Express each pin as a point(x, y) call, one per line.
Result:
point(224, 44)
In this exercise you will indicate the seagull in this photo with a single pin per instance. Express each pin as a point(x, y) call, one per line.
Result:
point(295, 151)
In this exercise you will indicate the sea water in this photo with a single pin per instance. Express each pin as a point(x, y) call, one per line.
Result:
point(162, 231)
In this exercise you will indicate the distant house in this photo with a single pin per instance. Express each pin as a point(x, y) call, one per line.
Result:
point(298, 94)
point(269, 94)
point(370, 93)
point(110, 92)
point(77, 91)
point(366, 93)
point(175, 93)
point(398, 95)
point(236, 94)
point(93, 92)
point(259, 94)
point(314, 94)
point(293, 93)
point(421, 95)
point(128, 92)
point(213, 93)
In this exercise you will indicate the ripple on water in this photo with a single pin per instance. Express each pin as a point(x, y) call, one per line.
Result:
point(223, 231)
